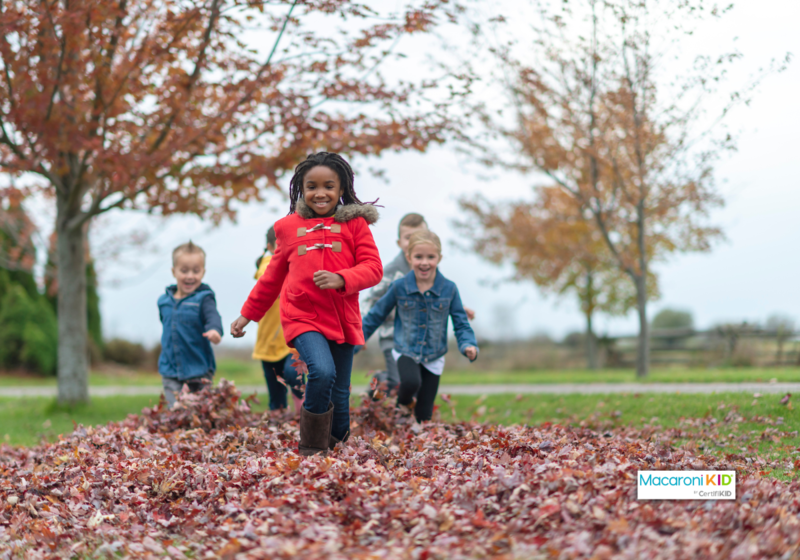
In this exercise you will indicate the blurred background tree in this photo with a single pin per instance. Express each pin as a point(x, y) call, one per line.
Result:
point(782, 326)
point(594, 110)
point(673, 319)
point(28, 333)
point(552, 243)
point(166, 107)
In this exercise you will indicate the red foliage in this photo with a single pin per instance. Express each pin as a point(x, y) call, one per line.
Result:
point(213, 479)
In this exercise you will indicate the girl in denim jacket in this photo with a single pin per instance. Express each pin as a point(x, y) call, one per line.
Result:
point(424, 299)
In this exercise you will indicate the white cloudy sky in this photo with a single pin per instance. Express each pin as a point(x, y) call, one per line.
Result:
point(752, 275)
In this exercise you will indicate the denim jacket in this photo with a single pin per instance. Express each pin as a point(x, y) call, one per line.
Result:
point(184, 352)
point(420, 324)
point(393, 271)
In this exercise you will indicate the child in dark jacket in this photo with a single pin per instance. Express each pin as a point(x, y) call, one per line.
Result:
point(191, 322)
point(424, 300)
point(325, 256)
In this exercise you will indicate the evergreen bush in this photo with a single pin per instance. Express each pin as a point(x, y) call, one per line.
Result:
point(28, 332)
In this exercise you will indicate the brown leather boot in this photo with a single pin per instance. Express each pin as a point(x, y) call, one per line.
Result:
point(315, 431)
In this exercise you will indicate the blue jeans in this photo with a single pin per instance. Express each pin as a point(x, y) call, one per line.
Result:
point(329, 366)
point(277, 391)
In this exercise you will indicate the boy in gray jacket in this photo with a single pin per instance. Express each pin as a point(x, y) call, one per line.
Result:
point(397, 268)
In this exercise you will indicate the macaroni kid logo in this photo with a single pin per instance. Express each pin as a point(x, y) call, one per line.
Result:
point(686, 485)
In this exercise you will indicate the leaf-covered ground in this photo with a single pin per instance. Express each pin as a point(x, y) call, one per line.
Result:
point(213, 479)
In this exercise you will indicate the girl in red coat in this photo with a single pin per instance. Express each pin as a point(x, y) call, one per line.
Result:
point(325, 257)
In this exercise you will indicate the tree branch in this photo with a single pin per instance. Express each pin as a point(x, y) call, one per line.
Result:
point(212, 20)
point(61, 56)
point(268, 62)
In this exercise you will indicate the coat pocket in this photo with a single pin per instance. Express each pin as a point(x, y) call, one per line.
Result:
point(352, 312)
point(299, 306)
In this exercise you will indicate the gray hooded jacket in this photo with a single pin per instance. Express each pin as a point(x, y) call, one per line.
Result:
point(398, 268)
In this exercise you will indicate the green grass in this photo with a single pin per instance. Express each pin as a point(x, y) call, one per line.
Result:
point(27, 421)
point(243, 373)
point(658, 410)
point(620, 408)
point(722, 375)
point(249, 373)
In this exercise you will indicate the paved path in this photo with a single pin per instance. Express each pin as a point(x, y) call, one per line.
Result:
point(557, 389)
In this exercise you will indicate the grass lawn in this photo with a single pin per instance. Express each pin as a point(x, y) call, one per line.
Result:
point(737, 422)
point(243, 373)
point(746, 424)
point(25, 421)
point(249, 373)
point(621, 376)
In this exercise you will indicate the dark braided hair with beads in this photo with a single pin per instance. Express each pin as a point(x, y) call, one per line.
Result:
point(332, 161)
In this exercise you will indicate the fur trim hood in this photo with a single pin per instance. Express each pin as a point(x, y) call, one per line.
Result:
point(344, 212)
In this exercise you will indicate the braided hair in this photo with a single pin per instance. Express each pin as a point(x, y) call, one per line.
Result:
point(332, 161)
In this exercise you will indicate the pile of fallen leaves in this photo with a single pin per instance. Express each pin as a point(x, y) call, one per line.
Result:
point(216, 480)
point(212, 409)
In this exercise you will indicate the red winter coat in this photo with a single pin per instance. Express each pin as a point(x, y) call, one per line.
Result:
point(306, 244)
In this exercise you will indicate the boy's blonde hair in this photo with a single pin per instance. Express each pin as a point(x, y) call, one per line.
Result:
point(424, 237)
point(412, 220)
point(187, 249)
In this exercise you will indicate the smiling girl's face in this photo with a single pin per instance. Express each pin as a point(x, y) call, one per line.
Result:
point(424, 258)
point(322, 190)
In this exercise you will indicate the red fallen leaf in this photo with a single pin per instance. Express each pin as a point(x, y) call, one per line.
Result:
point(785, 399)
point(549, 509)
point(229, 551)
point(478, 520)
point(546, 511)
point(299, 365)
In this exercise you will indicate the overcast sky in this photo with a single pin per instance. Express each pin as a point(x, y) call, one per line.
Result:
point(749, 277)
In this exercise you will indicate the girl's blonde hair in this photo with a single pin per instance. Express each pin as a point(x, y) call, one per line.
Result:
point(424, 237)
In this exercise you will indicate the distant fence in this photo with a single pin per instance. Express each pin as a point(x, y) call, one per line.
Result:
point(736, 346)
point(730, 345)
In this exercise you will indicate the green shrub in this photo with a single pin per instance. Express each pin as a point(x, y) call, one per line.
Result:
point(672, 319)
point(125, 352)
point(28, 332)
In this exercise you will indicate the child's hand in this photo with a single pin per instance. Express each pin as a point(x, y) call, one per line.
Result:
point(470, 313)
point(237, 327)
point(328, 280)
point(213, 336)
point(471, 352)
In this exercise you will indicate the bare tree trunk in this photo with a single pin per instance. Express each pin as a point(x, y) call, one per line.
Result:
point(73, 355)
point(591, 343)
point(588, 304)
point(643, 351)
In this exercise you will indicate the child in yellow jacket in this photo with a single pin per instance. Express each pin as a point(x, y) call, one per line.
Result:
point(276, 357)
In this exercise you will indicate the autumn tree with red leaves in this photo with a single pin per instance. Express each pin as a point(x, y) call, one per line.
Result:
point(595, 112)
point(166, 106)
point(551, 242)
